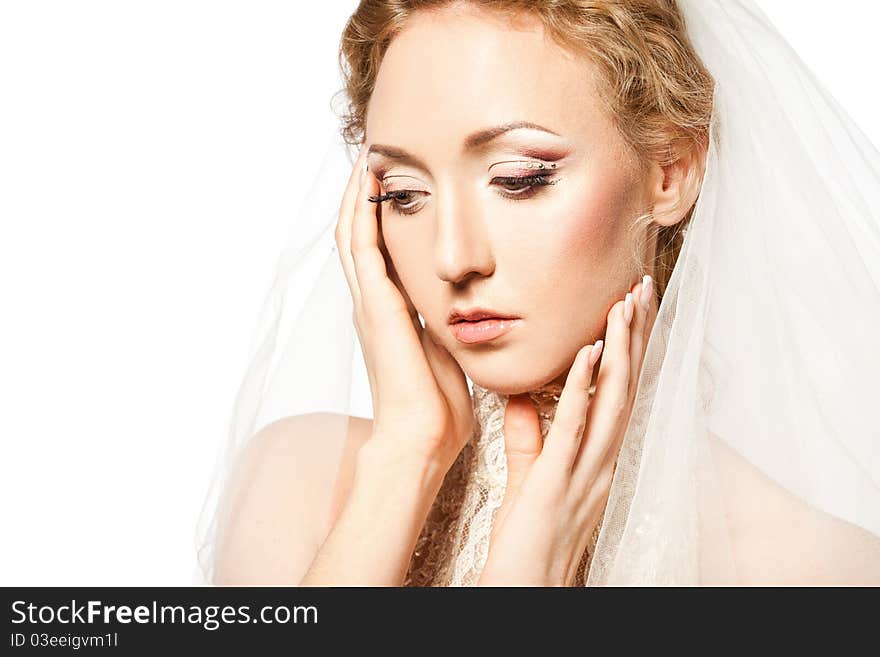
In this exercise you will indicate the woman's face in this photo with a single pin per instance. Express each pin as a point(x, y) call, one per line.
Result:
point(556, 256)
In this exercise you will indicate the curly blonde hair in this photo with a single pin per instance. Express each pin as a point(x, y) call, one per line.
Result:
point(656, 90)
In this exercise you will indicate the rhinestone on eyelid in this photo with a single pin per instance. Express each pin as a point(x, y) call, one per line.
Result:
point(528, 165)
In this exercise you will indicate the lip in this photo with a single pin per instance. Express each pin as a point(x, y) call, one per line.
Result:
point(475, 314)
point(483, 330)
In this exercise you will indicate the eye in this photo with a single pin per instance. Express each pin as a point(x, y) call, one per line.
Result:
point(522, 187)
point(516, 188)
point(402, 201)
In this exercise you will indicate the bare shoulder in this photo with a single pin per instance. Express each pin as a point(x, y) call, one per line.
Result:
point(280, 503)
point(781, 539)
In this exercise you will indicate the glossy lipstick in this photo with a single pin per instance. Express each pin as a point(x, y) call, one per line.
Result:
point(482, 330)
point(479, 325)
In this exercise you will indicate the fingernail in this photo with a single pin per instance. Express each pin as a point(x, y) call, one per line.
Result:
point(628, 308)
point(363, 173)
point(647, 290)
point(594, 353)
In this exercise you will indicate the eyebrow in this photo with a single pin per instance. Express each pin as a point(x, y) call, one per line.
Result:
point(472, 142)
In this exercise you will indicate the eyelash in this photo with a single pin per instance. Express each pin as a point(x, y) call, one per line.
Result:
point(531, 184)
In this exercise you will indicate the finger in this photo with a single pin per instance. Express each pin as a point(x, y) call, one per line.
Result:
point(395, 278)
point(343, 225)
point(522, 446)
point(566, 432)
point(647, 300)
point(609, 406)
point(379, 298)
point(447, 372)
point(653, 303)
point(637, 337)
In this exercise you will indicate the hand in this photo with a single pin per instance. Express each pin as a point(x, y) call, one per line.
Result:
point(557, 491)
point(420, 395)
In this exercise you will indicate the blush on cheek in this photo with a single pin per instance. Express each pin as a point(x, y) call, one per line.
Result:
point(591, 233)
point(600, 217)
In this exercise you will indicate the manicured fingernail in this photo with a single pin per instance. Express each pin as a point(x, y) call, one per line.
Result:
point(594, 353)
point(647, 290)
point(628, 308)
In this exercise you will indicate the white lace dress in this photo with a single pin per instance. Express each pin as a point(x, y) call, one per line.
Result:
point(454, 543)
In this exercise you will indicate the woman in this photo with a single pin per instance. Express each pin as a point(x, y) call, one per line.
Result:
point(667, 220)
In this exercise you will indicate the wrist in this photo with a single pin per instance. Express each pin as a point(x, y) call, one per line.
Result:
point(392, 471)
point(386, 460)
point(391, 495)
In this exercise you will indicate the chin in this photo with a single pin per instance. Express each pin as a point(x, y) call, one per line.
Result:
point(509, 366)
point(505, 374)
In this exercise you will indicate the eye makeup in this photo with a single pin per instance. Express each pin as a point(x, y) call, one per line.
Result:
point(523, 186)
point(540, 166)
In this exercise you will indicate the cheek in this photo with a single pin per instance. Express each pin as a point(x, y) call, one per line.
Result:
point(409, 250)
point(602, 212)
point(599, 218)
point(590, 251)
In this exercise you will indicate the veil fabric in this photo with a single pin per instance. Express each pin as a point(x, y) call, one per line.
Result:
point(752, 454)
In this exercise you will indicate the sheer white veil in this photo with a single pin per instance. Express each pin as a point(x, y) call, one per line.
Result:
point(753, 450)
point(766, 339)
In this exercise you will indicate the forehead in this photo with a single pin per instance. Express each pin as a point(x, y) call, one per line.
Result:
point(450, 71)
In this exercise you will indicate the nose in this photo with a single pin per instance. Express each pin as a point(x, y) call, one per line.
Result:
point(462, 244)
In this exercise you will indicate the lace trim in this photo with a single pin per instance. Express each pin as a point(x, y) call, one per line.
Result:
point(452, 547)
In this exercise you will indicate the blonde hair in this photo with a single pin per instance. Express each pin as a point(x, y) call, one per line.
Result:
point(655, 88)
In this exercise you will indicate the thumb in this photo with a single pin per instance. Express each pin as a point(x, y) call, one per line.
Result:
point(522, 446)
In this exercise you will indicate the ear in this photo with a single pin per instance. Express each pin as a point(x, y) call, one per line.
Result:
point(674, 187)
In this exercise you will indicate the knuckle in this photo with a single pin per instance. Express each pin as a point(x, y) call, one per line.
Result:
point(367, 314)
point(606, 476)
point(520, 453)
point(618, 408)
point(362, 266)
point(360, 317)
point(555, 488)
point(555, 460)
point(616, 376)
point(360, 252)
point(369, 272)
point(376, 312)
point(622, 379)
point(576, 429)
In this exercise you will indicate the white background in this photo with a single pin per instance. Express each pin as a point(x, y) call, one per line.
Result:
point(152, 155)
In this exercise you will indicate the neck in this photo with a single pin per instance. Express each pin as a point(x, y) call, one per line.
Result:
point(545, 399)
